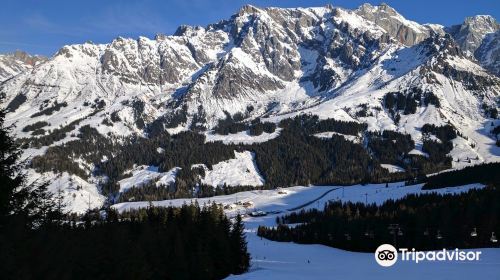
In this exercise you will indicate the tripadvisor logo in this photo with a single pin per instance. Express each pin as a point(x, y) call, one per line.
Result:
point(386, 255)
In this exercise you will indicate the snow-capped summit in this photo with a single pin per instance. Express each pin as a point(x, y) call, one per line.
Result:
point(470, 34)
point(14, 63)
point(478, 37)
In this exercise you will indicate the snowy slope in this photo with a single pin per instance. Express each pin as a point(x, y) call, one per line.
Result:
point(393, 168)
point(240, 171)
point(78, 194)
point(242, 137)
point(291, 198)
point(287, 261)
point(284, 260)
point(143, 175)
point(329, 134)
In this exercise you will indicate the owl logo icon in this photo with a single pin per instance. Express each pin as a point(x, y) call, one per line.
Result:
point(386, 255)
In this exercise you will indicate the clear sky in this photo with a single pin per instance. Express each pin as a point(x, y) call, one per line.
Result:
point(43, 26)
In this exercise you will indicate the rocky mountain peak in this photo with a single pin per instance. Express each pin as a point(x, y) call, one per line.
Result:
point(482, 22)
point(16, 62)
point(488, 53)
point(27, 58)
point(478, 37)
point(470, 34)
point(405, 31)
point(187, 30)
point(253, 58)
point(248, 9)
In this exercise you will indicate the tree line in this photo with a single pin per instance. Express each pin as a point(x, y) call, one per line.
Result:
point(486, 173)
point(190, 242)
point(424, 222)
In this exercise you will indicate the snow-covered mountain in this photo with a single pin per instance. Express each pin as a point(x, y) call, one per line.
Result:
point(470, 34)
point(259, 58)
point(269, 63)
point(478, 37)
point(14, 63)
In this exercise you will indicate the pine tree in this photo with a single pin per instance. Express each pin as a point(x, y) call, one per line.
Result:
point(10, 177)
point(31, 204)
point(242, 260)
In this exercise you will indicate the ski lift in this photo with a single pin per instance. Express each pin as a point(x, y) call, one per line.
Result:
point(369, 234)
point(347, 236)
point(493, 238)
point(330, 237)
point(439, 236)
point(473, 233)
point(400, 232)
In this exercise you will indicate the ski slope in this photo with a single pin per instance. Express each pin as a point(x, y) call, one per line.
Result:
point(289, 261)
point(282, 260)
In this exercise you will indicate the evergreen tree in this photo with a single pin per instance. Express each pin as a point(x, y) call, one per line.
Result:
point(31, 204)
point(242, 258)
point(10, 177)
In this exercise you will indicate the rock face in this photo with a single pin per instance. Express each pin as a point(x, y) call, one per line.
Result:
point(471, 33)
point(488, 53)
point(478, 37)
point(14, 63)
point(250, 58)
point(405, 31)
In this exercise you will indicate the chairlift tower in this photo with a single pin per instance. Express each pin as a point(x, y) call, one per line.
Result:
point(473, 233)
point(438, 235)
point(493, 238)
point(396, 231)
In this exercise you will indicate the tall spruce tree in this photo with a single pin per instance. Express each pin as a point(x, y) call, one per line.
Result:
point(241, 262)
point(30, 203)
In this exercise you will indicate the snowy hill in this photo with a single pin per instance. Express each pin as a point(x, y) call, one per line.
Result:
point(267, 63)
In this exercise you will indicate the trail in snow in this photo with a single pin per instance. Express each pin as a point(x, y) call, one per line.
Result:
point(312, 201)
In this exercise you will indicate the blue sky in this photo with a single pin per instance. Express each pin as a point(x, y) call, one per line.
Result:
point(43, 26)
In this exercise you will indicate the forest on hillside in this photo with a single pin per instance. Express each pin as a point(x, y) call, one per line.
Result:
point(295, 157)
